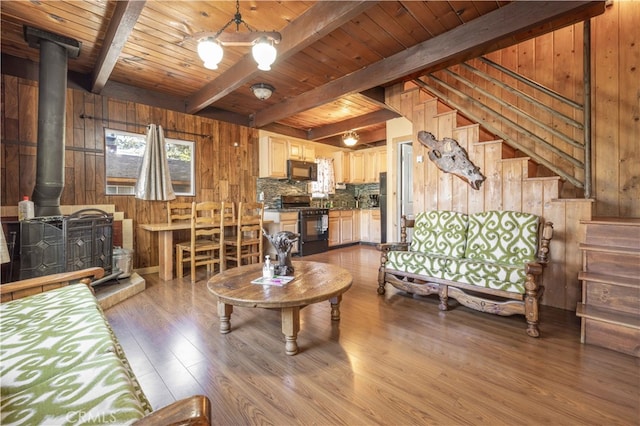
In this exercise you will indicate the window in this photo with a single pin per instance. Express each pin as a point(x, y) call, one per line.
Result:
point(123, 158)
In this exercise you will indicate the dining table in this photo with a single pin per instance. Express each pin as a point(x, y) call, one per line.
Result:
point(165, 232)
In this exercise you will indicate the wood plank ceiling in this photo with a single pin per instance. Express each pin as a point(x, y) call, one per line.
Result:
point(333, 63)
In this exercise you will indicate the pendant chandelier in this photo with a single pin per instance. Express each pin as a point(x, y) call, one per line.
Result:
point(210, 44)
point(350, 138)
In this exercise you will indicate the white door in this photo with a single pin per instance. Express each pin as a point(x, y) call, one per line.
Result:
point(405, 183)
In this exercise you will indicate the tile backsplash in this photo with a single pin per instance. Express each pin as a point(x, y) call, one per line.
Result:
point(274, 188)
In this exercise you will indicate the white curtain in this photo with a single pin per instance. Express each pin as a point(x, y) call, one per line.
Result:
point(326, 183)
point(154, 180)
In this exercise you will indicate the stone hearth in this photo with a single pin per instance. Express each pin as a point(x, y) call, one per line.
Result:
point(113, 292)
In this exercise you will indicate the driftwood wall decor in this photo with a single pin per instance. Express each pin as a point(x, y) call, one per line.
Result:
point(450, 157)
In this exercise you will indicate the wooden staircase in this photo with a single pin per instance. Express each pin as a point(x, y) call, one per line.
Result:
point(513, 182)
point(610, 306)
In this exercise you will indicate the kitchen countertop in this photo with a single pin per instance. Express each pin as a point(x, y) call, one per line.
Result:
point(285, 210)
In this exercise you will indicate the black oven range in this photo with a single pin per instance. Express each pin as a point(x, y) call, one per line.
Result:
point(313, 224)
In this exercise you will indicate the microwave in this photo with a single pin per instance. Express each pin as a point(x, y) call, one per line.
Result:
point(302, 170)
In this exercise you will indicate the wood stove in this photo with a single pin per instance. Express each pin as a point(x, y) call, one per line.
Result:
point(54, 244)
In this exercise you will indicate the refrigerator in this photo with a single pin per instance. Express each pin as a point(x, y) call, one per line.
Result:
point(383, 207)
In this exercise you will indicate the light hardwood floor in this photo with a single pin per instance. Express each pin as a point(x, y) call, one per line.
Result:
point(391, 360)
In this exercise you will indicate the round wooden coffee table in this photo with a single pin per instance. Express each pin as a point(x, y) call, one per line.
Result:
point(313, 282)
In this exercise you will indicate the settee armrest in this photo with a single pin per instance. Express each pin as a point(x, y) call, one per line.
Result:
point(24, 288)
point(192, 411)
point(545, 240)
point(386, 247)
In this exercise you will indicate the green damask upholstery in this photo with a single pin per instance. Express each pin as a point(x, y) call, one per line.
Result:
point(417, 263)
point(440, 232)
point(61, 364)
point(484, 274)
point(487, 249)
point(502, 236)
point(481, 260)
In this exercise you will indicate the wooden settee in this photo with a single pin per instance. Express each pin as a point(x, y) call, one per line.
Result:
point(62, 364)
point(490, 261)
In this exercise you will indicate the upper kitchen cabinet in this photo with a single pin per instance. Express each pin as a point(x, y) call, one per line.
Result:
point(273, 157)
point(301, 151)
point(356, 167)
point(381, 161)
point(366, 165)
point(341, 166)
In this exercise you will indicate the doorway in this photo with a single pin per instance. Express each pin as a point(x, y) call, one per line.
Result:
point(405, 183)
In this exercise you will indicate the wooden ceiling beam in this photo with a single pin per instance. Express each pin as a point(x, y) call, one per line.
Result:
point(500, 28)
point(354, 123)
point(376, 96)
point(286, 130)
point(321, 19)
point(224, 115)
point(121, 25)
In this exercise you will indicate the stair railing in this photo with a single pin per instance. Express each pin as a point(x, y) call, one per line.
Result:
point(462, 93)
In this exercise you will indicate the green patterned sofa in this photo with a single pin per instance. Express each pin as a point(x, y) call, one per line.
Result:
point(61, 364)
point(490, 261)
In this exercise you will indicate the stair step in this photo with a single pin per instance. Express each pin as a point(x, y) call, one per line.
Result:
point(608, 316)
point(610, 279)
point(610, 330)
point(610, 249)
point(619, 232)
point(610, 260)
point(611, 292)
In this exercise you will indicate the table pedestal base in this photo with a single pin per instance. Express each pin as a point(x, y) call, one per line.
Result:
point(290, 318)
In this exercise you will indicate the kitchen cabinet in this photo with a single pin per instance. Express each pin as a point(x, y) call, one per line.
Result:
point(273, 157)
point(370, 226)
point(282, 221)
point(381, 161)
point(375, 163)
point(301, 151)
point(366, 165)
point(334, 228)
point(371, 166)
point(275, 151)
point(356, 167)
point(341, 166)
point(341, 227)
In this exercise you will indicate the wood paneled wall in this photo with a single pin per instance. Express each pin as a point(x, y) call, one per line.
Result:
point(554, 60)
point(223, 171)
point(615, 62)
point(510, 185)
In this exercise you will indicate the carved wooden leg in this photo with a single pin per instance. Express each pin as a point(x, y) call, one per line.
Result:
point(224, 313)
point(383, 261)
point(290, 328)
point(531, 306)
point(443, 292)
point(335, 307)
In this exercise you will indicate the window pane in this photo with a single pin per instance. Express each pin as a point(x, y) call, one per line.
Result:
point(123, 159)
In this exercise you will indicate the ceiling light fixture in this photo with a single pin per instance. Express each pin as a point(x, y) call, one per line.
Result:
point(210, 44)
point(262, 90)
point(350, 138)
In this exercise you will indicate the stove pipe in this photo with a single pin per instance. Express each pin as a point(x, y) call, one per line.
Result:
point(54, 50)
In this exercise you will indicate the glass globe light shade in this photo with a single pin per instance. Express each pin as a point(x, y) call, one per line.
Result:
point(350, 138)
point(262, 91)
point(264, 53)
point(210, 52)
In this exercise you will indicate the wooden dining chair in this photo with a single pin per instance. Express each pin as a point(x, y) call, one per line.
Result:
point(229, 212)
point(206, 246)
point(178, 211)
point(246, 245)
